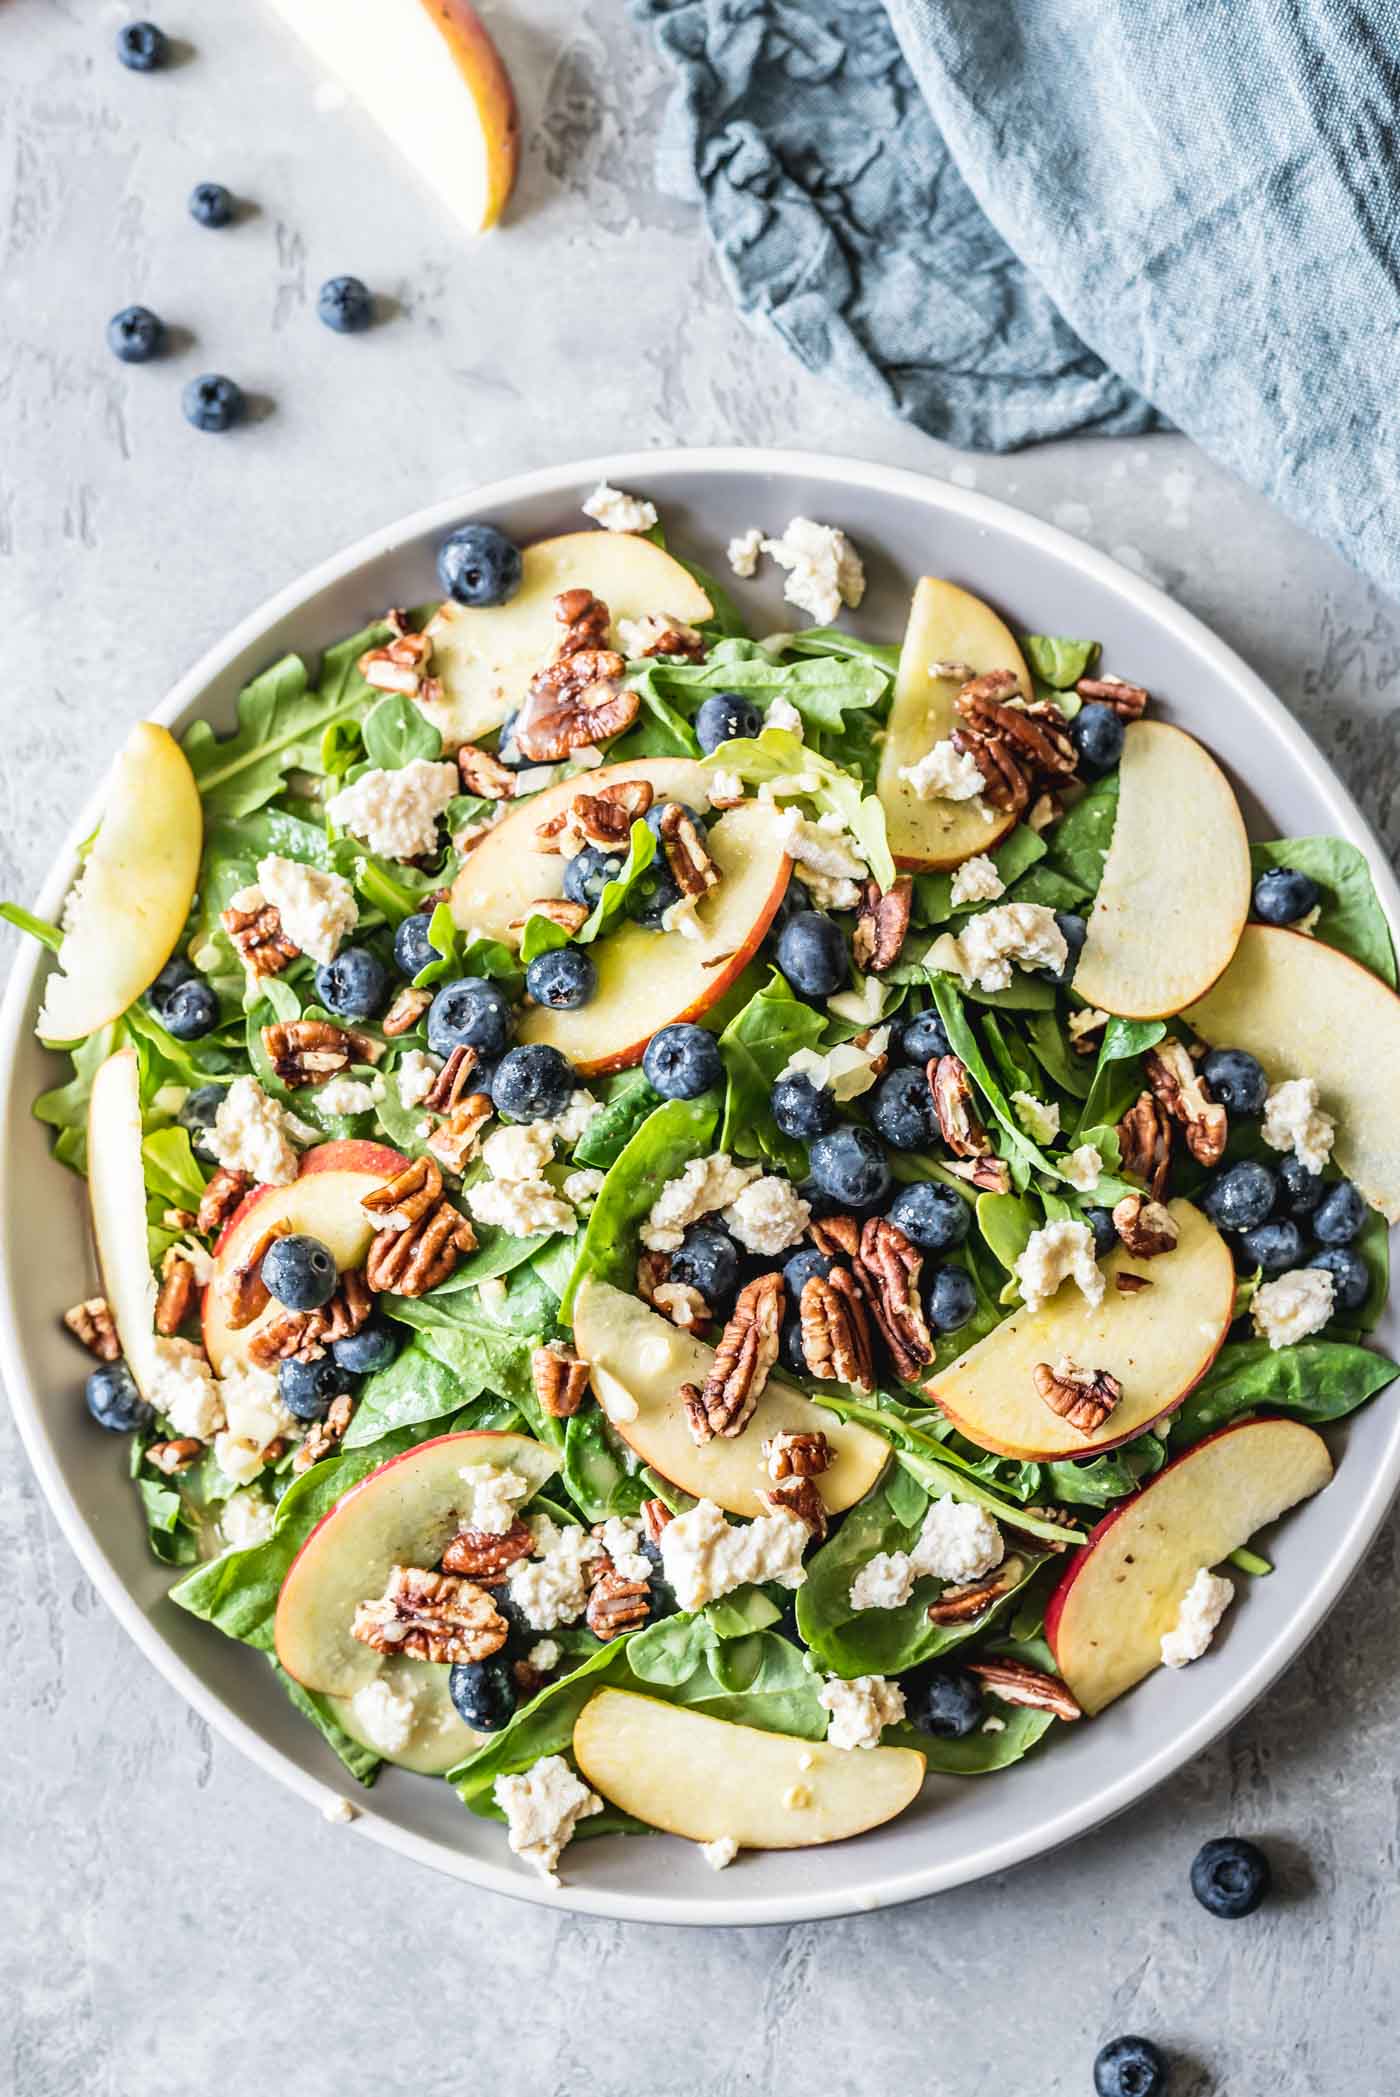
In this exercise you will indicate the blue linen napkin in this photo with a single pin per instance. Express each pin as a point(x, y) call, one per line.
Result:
point(1009, 220)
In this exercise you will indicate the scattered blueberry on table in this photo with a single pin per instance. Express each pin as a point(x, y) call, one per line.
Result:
point(212, 402)
point(1230, 1877)
point(480, 566)
point(211, 205)
point(136, 334)
point(141, 47)
point(1130, 2067)
point(345, 305)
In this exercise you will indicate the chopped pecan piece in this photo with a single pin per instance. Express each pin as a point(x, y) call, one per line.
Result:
point(412, 1261)
point(657, 633)
point(485, 775)
point(878, 1064)
point(451, 1081)
point(792, 1455)
point(572, 916)
point(990, 1175)
point(431, 1616)
point(177, 1219)
point(1085, 1025)
point(179, 1291)
point(350, 1309)
point(401, 664)
point(578, 699)
point(747, 1350)
point(309, 1051)
point(323, 1437)
point(992, 688)
point(881, 925)
point(952, 1102)
point(246, 1294)
point(683, 1305)
point(1147, 1228)
point(456, 1143)
point(836, 1236)
point(962, 1605)
point(480, 1556)
point(1130, 1284)
point(292, 1336)
point(603, 819)
point(400, 1201)
point(560, 1378)
point(170, 1457)
point(655, 1515)
point(1035, 736)
point(1145, 1143)
point(406, 1011)
point(888, 1270)
point(220, 1198)
point(652, 1270)
point(836, 1330)
point(687, 855)
point(1083, 1398)
point(617, 1604)
point(91, 1323)
point(256, 932)
point(1127, 700)
point(799, 1497)
point(1006, 785)
point(697, 1418)
point(1183, 1093)
point(1015, 1683)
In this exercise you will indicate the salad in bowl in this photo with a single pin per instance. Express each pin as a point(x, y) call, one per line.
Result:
point(696, 1225)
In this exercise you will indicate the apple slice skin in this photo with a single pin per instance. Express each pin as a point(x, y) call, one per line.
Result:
point(1139, 1561)
point(488, 83)
point(117, 1192)
point(439, 1740)
point(946, 624)
point(1158, 1342)
point(706, 1778)
point(1307, 1011)
point(635, 1352)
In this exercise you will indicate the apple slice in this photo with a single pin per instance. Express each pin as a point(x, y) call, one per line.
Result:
point(439, 1739)
point(484, 659)
point(429, 74)
point(1175, 890)
point(1158, 1342)
point(507, 871)
point(1307, 1011)
point(638, 1360)
point(946, 625)
point(324, 1201)
point(707, 1778)
point(1123, 1590)
point(134, 891)
point(402, 1514)
point(117, 1192)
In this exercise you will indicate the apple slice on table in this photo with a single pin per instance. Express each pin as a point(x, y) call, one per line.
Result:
point(485, 658)
point(404, 1513)
point(324, 1202)
point(430, 76)
point(1158, 1342)
point(946, 625)
point(1307, 1011)
point(1123, 1590)
point(638, 1360)
point(1176, 883)
point(117, 1193)
point(707, 1778)
point(137, 886)
point(439, 1739)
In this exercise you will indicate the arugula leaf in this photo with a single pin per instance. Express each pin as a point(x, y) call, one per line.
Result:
point(1057, 661)
point(1049, 1044)
point(173, 1173)
point(281, 721)
point(823, 687)
point(396, 731)
point(1315, 1380)
point(662, 1147)
point(542, 935)
point(65, 1107)
point(1078, 844)
point(774, 754)
point(1351, 918)
point(37, 927)
point(758, 1043)
point(834, 640)
point(1023, 1156)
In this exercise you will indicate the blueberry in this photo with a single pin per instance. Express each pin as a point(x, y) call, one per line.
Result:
point(812, 954)
point(478, 565)
point(707, 1259)
point(470, 1013)
point(1100, 1222)
point(943, 1701)
point(1275, 1246)
point(931, 1216)
point(802, 1267)
point(587, 874)
point(1241, 1196)
point(651, 895)
point(683, 1061)
point(920, 1038)
point(1236, 1079)
point(1230, 1877)
point(726, 717)
point(308, 1388)
point(1130, 2067)
point(299, 1271)
point(373, 1347)
point(790, 1347)
point(508, 751)
point(483, 1692)
point(521, 1632)
point(413, 950)
point(345, 305)
point(801, 1109)
point(1300, 1190)
point(796, 897)
point(563, 978)
point(658, 810)
point(901, 1108)
point(848, 1166)
point(135, 335)
point(533, 1084)
point(114, 1401)
point(1339, 1215)
point(1074, 931)
point(949, 1298)
point(183, 1002)
point(212, 403)
point(141, 47)
point(1351, 1279)
point(1283, 895)
point(197, 1115)
point(1097, 734)
point(211, 205)
point(355, 985)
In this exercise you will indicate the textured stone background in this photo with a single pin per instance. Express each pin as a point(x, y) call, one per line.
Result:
point(172, 1921)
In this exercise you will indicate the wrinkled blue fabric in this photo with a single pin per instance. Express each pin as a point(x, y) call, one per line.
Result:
point(1009, 220)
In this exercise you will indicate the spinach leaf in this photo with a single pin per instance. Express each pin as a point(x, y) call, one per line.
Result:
point(1057, 661)
point(545, 1726)
point(758, 1043)
point(38, 928)
point(628, 1104)
point(599, 1469)
point(1098, 1481)
point(979, 1753)
point(1073, 1074)
point(1117, 1080)
point(663, 1146)
point(1023, 1156)
point(229, 862)
point(1078, 844)
point(415, 1387)
point(395, 732)
point(1351, 918)
point(1315, 1380)
point(171, 1538)
point(1006, 1222)
point(480, 1354)
point(281, 720)
point(361, 1761)
point(1050, 888)
point(933, 893)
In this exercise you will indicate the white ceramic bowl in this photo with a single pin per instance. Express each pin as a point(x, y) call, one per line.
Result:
point(959, 1830)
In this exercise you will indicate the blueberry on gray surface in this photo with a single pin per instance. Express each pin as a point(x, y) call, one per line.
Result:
point(532, 1083)
point(812, 954)
point(299, 1271)
point(849, 1167)
point(212, 402)
point(1241, 1196)
point(470, 1013)
point(801, 1109)
point(1339, 1215)
point(183, 1002)
point(141, 47)
point(802, 1267)
point(1130, 2067)
point(373, 1347)
point(355, 985)
point(949, 1299)
point(1275, 1246)
point(1351, 1278)
point(943, 1701)
point(683, 1061)
point(562, 979)
point(114, 1401)
point(1074, 930)
point(1300, 1190)
point(1236, 1080)
point(651, 895)
point(1230, 1877)
point(707, 1259)
point(211, 205)
point(307, 1389)
point(197, 1114)
point(1284, 894)
point(588, 873)
point(483, 1692)
point(931, 1216)
point(413, 950)
point(726, 717)
point(920, 1038)
point(1100, 1222)
point(136, 334)
point(901, 1107)
point(479, 565)
point(345, 305)
point(1097, 734)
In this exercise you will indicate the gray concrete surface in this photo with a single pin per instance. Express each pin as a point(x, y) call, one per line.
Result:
point(170, 1921)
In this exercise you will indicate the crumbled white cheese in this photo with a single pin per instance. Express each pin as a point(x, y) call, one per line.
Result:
point(571, 1126)
point(493, 1493)
point(743, 551)
point(720, 1853)
point(860, 1710)
point(246, 1519)
point(958, 1542)
point(976, 881)
point(316, 909)
point(180, 1384)
point(823, 569)
point(1085, 1020)
point(1294, 1121)
point(552, 1587)
point(1202, 1606)
point(705, 1557)
point(883, 1582)
point(638, 637)
point(705, 1185)
point(253, 1134)
point(832, 869)
point(620, 1537)
point(990, 942)
point(1292, 1307)
point(525, 1208)
point(781, 713)
point(543, 1655)
point(944, 774)
point(385, 1716)
point(1308, 925)
point(617, 512)
point(992, 1725)
point(1057, 1252)
point(862, 1006)
point(1083, 1168)
point(581, 1189)
point(417, 1074)
point(396, 813)
point(768, 1216)
point(845, 1071)
point(542, 1809)
point(345, 1096)
point(519, 1150)
point(1039, 1119)
point(725, 788)
point(194, 1255)
point(339, 1812)
point(683, 916)
point(254, 1417)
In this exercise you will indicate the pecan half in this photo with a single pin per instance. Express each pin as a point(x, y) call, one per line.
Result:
point(220, 1198)
point(430, 1616)
point(1035, 736)
point(1084, 1026)
point(888, 1270)
point(412, 1261)
point(456, 1143)
point(246, 1294)
point(560, 1380)
point(881, 925)
point(480, 1556)
point(400, 1201)
point(1147, 1228)
point(1145, 1143)
point(1006, 785)
point(91, 1323)
point(452, 1081)
point(652, 1270)
point(962, 1605)
point(952, 1102)
point(179, 1292)
point(1127, 700)
point(990, 689)
point(687, 855)
point(350, 1309)
point(836, 1342)
point(1183, 1093)
point(406, 1011)
point(836, 1236)
point(1130, 1284)
point(697, 1418)
point(617, 1604)
point(1083, 1398)
point(484, 775)
point(572, 916)
point(578, 699)
point(655, 1515)
point(401, 664)
point(309, 1051)
point(798, 1497)
point(683, 1305)
point(747, 1350)
point(990, 1175)
point(170, 1457)
point(1015, 1683)
point(603, 819)
point(792, 1455)
point(323, 1437)
point(293, 1336)
point(256, 931)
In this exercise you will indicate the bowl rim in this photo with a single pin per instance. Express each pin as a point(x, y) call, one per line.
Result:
point(886, 1889)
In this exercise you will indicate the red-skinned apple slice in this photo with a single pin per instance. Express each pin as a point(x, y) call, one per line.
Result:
point(402, 1514)
point(708, 1778)
point(1123, 1590)
point(1158, 1342)
point(1168, 914)
point(1307, 1011)
point(946, 625)
point(438, 1738)
point(638, 1360)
